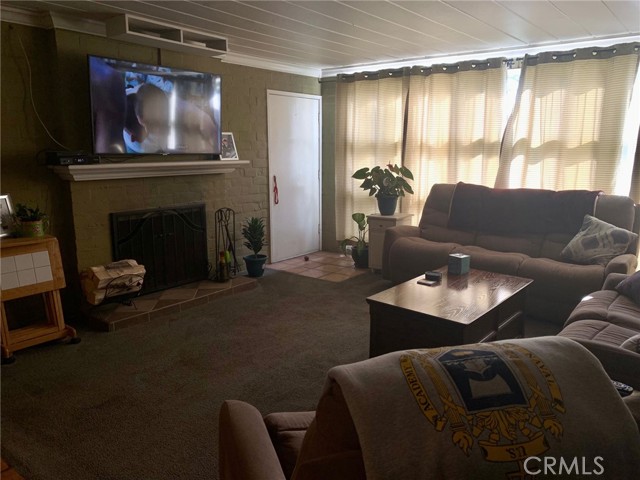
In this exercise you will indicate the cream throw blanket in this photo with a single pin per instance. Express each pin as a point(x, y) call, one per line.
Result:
point(480, 411)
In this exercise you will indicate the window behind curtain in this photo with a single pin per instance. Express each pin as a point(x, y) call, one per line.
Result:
point(567, 126)
point(369, 129)
point(454, 126)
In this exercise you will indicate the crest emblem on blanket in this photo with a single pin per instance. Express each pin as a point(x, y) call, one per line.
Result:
point(499, 397)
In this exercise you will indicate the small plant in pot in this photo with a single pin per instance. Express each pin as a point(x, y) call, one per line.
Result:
point(386, 184)
point(253, 231)
point(360, 249)
point(29, 222)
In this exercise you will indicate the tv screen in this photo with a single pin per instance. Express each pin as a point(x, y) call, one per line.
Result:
point(148, 109)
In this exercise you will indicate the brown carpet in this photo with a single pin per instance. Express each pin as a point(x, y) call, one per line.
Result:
point(142, 402)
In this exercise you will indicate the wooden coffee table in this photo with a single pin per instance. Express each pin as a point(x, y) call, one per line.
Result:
point(475, 307)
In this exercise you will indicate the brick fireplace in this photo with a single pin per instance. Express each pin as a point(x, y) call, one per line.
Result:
point(93, 202)
point(159, 206)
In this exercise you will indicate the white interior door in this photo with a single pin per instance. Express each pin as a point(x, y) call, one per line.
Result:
point(294, 172)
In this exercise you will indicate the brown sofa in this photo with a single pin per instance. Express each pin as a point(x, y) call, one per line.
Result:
point(607, 323)
point(519, 232)
point(433, 414)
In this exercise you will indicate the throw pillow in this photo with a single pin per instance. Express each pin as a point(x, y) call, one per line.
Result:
point(632, 344)
point(597, 242)
point(630, 287)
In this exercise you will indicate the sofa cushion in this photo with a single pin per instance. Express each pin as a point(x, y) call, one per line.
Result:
point(609, 306)
point(529, 244)
point(553, 245)
point(597, 242)
point(599, 331)
point(436, 208)
point(617, 210)
point(436, 233)
point(519, 210)
point(489, 260)
point(559, 279)
point(604, 340)
point(630, 287)
point(632, 344)
point(624, 312)
point(594, 306)
point(287, 431)
point(412, 256)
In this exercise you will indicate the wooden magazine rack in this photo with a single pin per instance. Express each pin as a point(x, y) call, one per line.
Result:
point(32, 266)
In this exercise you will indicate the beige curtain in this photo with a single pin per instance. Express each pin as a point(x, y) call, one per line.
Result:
point(369, 129)
point(566, 129)
point(454, 126)
point(635, 176)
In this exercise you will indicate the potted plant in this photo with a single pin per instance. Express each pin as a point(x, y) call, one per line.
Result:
point(29, 222)
point(360, 251)
point(253, 233)
point(386, 184)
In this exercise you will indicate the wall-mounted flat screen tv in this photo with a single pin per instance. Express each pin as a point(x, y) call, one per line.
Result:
point(149, 109)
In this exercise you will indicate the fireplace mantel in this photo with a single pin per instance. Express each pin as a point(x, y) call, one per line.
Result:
point(115, 171)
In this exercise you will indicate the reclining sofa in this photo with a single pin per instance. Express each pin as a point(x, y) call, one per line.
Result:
point(486, 411)
point(524, 232)
point(607, 323)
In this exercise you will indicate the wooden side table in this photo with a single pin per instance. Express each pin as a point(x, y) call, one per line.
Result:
point(32, 266)
point(377, 225)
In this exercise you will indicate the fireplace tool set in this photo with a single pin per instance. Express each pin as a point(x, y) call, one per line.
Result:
point(225, 226)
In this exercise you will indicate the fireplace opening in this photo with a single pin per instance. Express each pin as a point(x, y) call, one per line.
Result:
point(170, 242)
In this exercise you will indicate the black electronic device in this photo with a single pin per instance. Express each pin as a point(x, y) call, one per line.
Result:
point(434, 276)
point(141, 109)
point(70, 158)
point(623, 388)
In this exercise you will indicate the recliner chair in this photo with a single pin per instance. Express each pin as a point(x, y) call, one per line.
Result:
point(491, 410)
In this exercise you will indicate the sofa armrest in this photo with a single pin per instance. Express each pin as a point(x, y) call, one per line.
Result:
point(625, 263)
point(390, 236)
point(246, 451)
point(620, 364)
point(612, 280)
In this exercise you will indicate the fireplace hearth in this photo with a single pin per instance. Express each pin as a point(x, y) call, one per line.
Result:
point(171, 242)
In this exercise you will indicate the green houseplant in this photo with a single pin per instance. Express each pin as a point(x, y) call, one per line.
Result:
point(386, 184)
point(360, 252)
point(253, 231)
point(29, 222)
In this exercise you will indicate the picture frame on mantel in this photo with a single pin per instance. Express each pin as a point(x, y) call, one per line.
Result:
point(228, 147)
point(6, 211)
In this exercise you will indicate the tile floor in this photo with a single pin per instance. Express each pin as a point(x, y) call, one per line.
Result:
point(333, 267)
point(151, 307)
point(330, 266)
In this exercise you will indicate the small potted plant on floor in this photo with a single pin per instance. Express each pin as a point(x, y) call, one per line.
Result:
point(386, 184)
point(253, 233)
point(29, 222)
point(360, 250)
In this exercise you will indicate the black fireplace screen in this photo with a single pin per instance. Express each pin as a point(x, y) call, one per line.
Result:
point(170, 242)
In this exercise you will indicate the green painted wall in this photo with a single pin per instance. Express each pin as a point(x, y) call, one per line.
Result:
point(79, 210)
point(328, 165)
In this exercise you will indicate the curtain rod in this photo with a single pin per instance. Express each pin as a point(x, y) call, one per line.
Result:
point(510, 62)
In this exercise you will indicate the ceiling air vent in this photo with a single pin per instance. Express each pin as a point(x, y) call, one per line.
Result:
point(161, 35)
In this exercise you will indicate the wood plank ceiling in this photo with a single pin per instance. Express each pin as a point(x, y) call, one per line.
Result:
point(332, 35)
